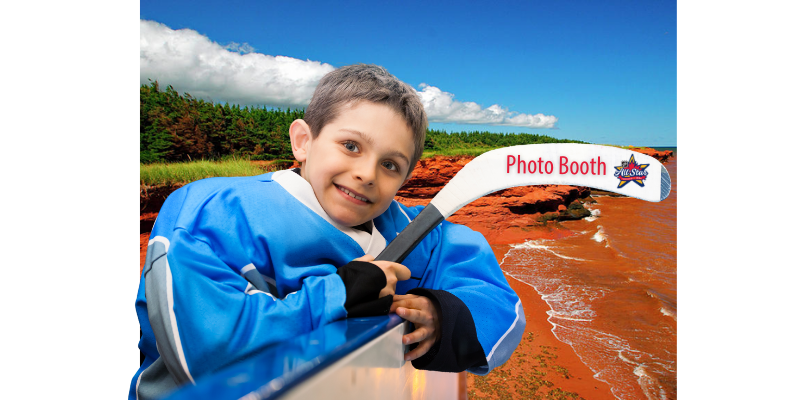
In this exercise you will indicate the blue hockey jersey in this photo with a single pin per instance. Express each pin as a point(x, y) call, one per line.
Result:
point(200, 307)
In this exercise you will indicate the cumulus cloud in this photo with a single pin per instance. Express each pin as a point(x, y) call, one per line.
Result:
point(441, 106)
point(192, 63)
point(235, 73)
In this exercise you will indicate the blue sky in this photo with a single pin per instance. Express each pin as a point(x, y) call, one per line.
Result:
point(602, 72)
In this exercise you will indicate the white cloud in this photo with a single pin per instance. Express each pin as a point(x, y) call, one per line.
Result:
point(192, 63)
point(235, 73)
point(441, 107)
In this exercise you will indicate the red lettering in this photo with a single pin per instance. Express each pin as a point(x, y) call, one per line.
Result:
point(592, 162)
point(599, 163)
point(532, 170)
point(562, 166)
point(548, 167)
point(519, 161)
point(576, 168)
point(509, 162)
point(584, 163)
point(540, 165)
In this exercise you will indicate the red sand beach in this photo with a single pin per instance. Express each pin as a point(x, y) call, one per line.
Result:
point(542, 366)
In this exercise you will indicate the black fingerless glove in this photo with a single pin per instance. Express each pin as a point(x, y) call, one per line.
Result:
point(363, 282)
point(459, 348)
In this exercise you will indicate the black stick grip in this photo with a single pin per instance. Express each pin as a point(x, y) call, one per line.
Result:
point(404, 243)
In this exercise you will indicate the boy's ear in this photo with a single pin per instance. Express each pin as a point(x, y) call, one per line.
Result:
point(300, 135)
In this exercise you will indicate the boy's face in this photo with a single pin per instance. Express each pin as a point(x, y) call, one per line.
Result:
point(357, 162)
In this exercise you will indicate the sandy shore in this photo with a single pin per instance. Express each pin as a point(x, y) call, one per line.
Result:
point(542, 367)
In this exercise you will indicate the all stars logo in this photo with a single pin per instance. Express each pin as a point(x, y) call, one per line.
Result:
point(630, 171)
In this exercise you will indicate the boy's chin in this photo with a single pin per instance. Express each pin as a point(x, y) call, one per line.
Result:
point(346, 217)
point(353, 223)
point(348, 221)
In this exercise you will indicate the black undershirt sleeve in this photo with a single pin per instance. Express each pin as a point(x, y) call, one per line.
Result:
point(363, 282)
point(458, 348)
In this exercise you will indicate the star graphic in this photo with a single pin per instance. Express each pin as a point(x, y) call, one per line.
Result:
point(631, 166)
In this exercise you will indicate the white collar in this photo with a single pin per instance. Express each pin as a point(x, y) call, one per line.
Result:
point(302, 191)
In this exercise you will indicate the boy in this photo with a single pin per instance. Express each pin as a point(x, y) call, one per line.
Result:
point(238, 264)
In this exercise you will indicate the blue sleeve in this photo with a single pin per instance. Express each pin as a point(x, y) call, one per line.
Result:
point(205, 314)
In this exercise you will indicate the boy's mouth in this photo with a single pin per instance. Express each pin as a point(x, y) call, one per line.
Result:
point(352, 193)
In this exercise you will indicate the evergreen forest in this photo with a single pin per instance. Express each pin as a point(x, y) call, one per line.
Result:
point(175, 127)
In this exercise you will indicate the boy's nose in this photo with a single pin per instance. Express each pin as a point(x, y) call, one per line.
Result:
point(365, 174)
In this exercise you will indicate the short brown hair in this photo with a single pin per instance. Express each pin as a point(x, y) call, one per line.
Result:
point(354, 83)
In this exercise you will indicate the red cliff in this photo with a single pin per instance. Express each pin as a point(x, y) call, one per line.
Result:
point(658, 155)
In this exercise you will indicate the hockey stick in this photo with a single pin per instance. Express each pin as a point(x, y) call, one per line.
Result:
point(601, 167)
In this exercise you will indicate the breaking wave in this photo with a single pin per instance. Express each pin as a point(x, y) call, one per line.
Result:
point(539, 245)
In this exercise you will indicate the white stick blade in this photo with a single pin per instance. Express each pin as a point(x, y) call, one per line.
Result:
point(606, 168)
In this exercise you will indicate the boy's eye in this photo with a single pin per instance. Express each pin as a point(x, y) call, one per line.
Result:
point(390, 166)
point(351, 146)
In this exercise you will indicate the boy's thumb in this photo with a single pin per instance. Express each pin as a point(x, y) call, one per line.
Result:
point(402, 272)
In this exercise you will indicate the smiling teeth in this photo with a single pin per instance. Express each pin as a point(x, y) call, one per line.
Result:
point(351, 194)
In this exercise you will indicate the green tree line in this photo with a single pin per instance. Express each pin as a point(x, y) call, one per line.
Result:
point(175, 127)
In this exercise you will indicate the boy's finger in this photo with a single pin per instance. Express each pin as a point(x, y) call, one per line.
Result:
point(417, 335)
point(365, 257)
point(419, 351)
point(415, 316)
point(402, 272)
point(406, 302)
point(396, 304)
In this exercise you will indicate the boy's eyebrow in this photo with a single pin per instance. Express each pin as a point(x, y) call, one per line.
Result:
point(364, 137)
point(371, 142)
point(400, 155)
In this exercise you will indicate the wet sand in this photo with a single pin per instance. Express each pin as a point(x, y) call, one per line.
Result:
point(542, 367)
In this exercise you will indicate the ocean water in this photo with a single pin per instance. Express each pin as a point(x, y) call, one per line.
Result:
point(612, 289)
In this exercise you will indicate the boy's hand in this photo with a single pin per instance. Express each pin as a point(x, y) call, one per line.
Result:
point(421, 311)
point(394, 272)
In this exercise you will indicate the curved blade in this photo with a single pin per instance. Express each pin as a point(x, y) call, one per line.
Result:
point(602, 167)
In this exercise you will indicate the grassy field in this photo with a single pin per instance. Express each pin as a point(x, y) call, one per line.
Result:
point(184, 172)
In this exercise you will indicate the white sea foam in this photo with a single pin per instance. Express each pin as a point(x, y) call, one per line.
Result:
point(600, 235)
point(668, 305)
point(595, 213)
point(649, 384)
point(625, 359)
point(669, 313)
point(538, 245)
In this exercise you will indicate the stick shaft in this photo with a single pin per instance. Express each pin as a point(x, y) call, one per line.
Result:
point(404, 243)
